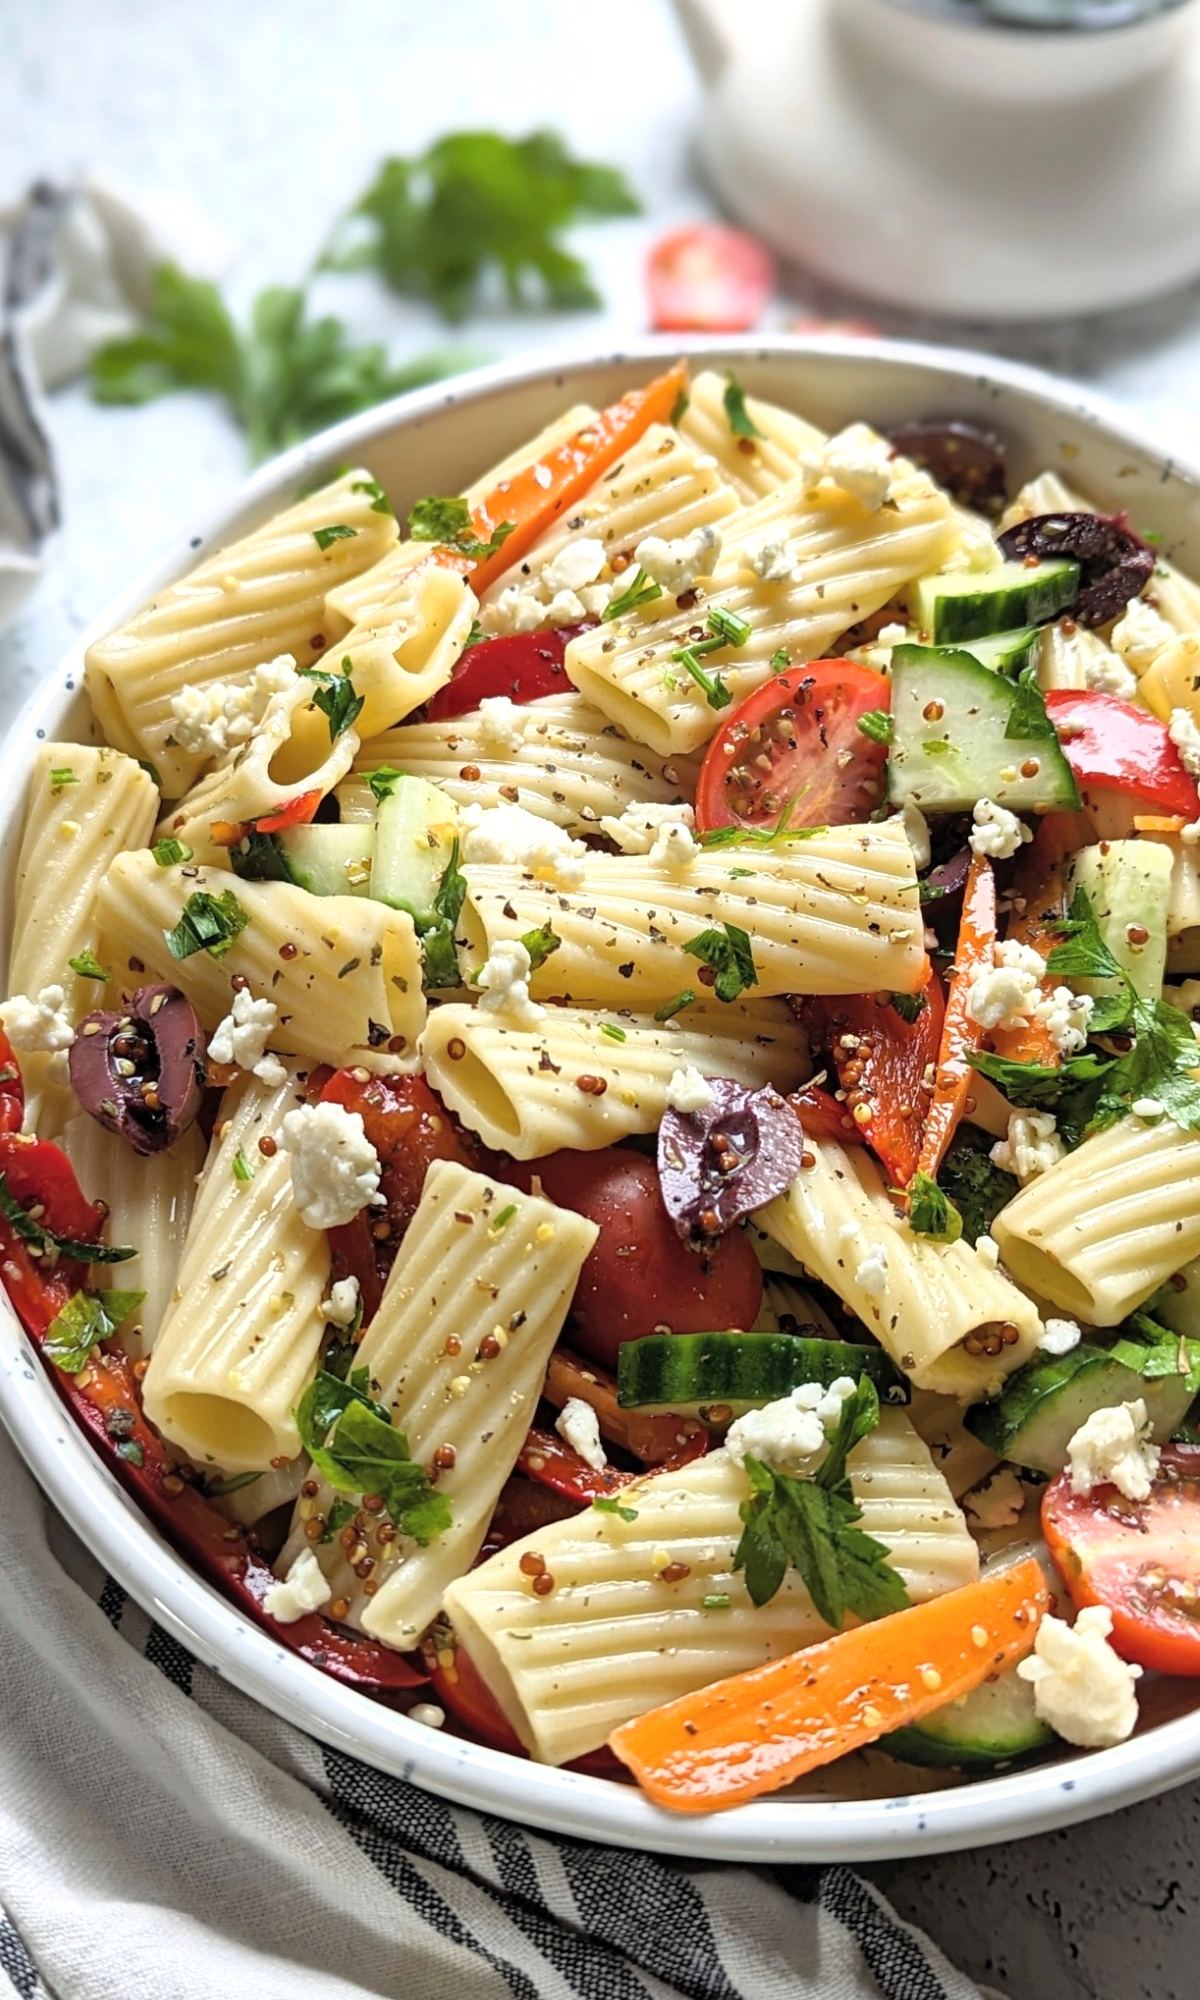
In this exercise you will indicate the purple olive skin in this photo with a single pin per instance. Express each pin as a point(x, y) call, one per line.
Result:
point(152, 1103)
point(716, 1165)
point(970, 463)
point(1115, 565)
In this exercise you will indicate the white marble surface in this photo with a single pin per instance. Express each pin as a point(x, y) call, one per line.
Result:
point(272, 116)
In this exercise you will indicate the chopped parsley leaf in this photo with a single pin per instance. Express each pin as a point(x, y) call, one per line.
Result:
point(729, 953)
point(207, 923)
point(741, 423)
point(336, 697)
point(339, 532)
point(383, 782)
point(88, 966)
point(86, 1320)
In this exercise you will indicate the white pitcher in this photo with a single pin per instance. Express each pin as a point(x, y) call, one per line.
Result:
point(932, 154)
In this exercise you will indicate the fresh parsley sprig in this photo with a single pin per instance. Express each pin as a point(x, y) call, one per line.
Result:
point(86, 1320)
point(931, 1213)
point(447, 519)
point(88, 966)
point(730, 954)
point(383, 782)
point(336, 696)
point(437, 940)
point(207, 923)
point(741, 423)
point(355, 1446)
point(809, 1524)
point(282, 377)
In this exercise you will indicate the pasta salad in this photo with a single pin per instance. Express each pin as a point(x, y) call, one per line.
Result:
point(599, 1111)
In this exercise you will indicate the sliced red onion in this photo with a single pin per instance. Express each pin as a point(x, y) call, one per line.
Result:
point(719, 1164)
point(141, 1073)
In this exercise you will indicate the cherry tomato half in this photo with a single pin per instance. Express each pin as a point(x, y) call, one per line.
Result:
point(1113, 746)
point(1139, 1558)
point(805, 722)
point(523, 665)
point(708, 279)
point(638, 1275)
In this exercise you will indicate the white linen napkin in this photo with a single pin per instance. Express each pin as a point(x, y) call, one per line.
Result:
point(164, 1838)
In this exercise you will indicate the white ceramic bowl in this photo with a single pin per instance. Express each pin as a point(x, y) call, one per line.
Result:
point(436, 441)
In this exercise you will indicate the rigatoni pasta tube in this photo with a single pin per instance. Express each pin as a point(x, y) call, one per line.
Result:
point(846, 563)
point(458, 1353)
point(248, 603)
point(571, 764)
point(240, 1341)
point(1102, 1230)
point(613, 1639)
point(753, 466)
point(837, 912)
point(921, 1300)
point(344, 972)
point(584, 1079)
point(150, 1204)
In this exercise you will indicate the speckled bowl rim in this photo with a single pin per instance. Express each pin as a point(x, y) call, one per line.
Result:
point(828, 375)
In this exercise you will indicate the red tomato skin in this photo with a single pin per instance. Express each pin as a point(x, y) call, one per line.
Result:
point(12, 1089)
point(523, 665)
point(297, 812)
point(1113, 746)
point(708, 278)
point(1103, 1545)
point(828, 697)
point(639, 1275)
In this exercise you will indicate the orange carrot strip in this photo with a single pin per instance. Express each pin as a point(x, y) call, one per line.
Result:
point(531, 500)
point(1158, 822)
point(960, 1035)
point(757, 1731)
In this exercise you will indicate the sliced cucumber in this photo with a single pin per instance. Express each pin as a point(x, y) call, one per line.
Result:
point(414, 834)
point(996, 1724)
point(949, 747)
point(329, 860)
point(971, 604)
point(691, 1372)
point(1045, 1403)
point(1004, 652)
point(1129, 885)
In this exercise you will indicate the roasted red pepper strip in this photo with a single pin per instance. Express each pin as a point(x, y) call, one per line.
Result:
point(823, 1117)
point(961, 1036)
point(655, 1438)
point(12, 1090)
point(531, 501)
point(297, 812)
point(881, 1060)
point(38, 1174)
point(553, 1463)
point(523, 665)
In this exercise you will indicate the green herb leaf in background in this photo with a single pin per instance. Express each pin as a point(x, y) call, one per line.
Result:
point(85, 1320)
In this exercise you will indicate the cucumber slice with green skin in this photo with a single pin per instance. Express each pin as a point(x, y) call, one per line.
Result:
point(996, 1724)
point(970, 604)
point(329, 860)
point(1129, 887)
point(1004, 652)
point(690, 1372)
point(949, 749)
point(1045, 1403)
point(414, 833)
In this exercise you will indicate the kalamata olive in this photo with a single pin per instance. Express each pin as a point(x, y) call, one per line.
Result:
point(968, 462)
point(717, 1164)
point(1115, 565)
point(141, 1073)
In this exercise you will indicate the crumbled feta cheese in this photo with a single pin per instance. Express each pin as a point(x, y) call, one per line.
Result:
point(637, 828)
point(212, 721)
point(988, 1252)
point(1106, 674)
point(1185, 736)
point(305, 1588)
point(596, 598)
point(1004, 994)
point(1059, 1336)
point(501, 722)
point(688, 1091)
point(1081, 1687)
point(996, 832)
point(514, 611)
point(790, 1435)
point(509, 837)
point(773, 561)
point(503, 984)
point(342, 1304)
point(1151, 1109)
point(1032, 1146)
point(565, 608)
point(916, 826)
point(1114, 1448)
point(998, 1503)
point(1140, 635)
point(578, 1425)
point(857, 462)
point(1190, 834)
point(335, 1168)
point(1065, 1016)
point(891, 635)
point(674, 847)
point(243, 1035)
point(676, 565)
point(38, 1025)
point(872, 1272)
point(578, 563)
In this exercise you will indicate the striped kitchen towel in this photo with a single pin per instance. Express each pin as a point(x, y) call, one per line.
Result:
point(164, 1838)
